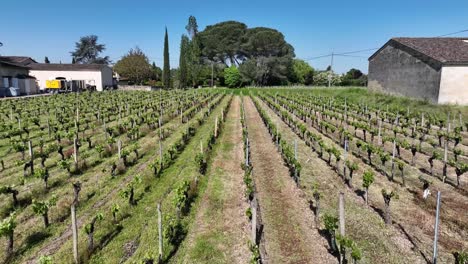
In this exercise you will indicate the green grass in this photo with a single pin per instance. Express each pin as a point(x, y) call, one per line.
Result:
point(363, 95)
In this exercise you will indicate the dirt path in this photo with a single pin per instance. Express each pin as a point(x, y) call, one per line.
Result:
point(221, 226)
point(289, 230)
point(393, 245)
point(412, 215)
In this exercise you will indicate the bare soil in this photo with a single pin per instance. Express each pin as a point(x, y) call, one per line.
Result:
point(289, 230)
point(222, 208)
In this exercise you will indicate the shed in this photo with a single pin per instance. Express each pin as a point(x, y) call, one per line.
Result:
point(434, 69)
point(97, 75)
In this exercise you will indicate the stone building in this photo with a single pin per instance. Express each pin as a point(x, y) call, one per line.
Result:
point(434, 69)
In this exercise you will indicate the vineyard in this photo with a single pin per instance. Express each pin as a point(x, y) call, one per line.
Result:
point(232, 176)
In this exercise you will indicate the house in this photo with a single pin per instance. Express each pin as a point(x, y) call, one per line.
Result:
point(434, 69)
point(76, 75)
point(14, 73)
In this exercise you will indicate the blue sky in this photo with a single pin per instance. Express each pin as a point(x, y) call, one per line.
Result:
point(50, 27)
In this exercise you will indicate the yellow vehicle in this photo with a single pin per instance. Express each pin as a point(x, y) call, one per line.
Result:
point(53, 84)
point(59, 85)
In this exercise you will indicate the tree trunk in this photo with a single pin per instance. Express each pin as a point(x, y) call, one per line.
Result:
point(366, 195)
point(46, 219)
point(10, 244)
point(403, 177)
point(131, 198)
point(90, 242)
point(14, 193)
point(317, 210)
point(388, 220)
point(350, 181)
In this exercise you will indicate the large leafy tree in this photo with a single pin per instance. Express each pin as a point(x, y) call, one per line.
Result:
point(302, 72)
point(221, 42)
point(354, 77)
point(166, 68)
point(135, 66)
point(156, 72)
point(87, 51)
point(232, 77)
point(271, 53)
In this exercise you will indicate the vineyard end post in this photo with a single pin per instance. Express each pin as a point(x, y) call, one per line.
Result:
point(436, 230)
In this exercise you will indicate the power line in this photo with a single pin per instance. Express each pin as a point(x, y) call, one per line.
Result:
point(364, 50)
point(453, 33)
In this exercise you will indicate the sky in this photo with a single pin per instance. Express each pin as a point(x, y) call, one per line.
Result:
point(314, 28)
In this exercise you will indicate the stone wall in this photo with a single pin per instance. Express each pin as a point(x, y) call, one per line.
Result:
point(394, 70)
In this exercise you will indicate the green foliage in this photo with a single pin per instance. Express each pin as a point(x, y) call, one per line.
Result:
point(8, 225)
point(42, 207)
point(183, 64)
point(167, 68)
point(64, 164)
point(352, 166)
point(87, 51)
point(302, 72)
point(135, 66)
point(232, 77)
point(89, 228)
point(181, 195)
point(248, 213)
point(367, 179)
point(45, 260)
point(255, 258)
point(330, 221)
point(388, 195)
point(354, 77)
point(461, 257)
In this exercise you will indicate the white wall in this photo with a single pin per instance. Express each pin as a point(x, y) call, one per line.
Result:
point(106, 77)
point(454, 85)
point(90, 77)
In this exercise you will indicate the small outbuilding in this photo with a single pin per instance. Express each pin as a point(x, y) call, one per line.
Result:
point(434, 69)
point(78, 75)
point(14, 76)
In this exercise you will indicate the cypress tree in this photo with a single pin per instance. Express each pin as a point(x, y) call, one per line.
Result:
point(46, 60)
point(167, 68)
point(73, 60)
point(183, 71)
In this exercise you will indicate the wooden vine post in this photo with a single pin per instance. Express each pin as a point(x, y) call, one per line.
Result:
point(254, 220)
point(444, 170)
point(160, 141)
point(31, 154)
point(247, 153)
point(160, 235)
point(295, 149)
point(216, 128)
point(379, 136)
point(341, 214)
point(119, 147)
point(393, 159)
point(75, 234)
point(75, 150)
point(345, 156)
point(436, 230)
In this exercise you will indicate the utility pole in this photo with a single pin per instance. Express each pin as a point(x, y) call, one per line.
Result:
point(212, 74)
point(331, 71)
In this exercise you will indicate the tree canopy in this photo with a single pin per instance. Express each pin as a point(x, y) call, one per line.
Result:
point(135, 66)
point(222, 42)
point(87, 51)
point(302, 72)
